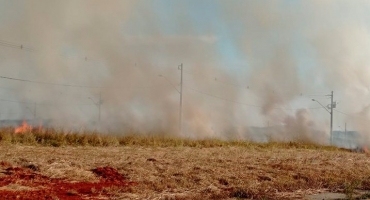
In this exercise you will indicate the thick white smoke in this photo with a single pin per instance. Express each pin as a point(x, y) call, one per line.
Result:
point(119, 49)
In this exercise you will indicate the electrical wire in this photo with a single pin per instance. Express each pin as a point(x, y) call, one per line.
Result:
point(47, 83)
point(16, 46)
point(13, 101)
point(232, 84)
point(42, 104)
point(64, 85)
point(342, 112)
point(236, 85)
point(204, 93)
point(251, 105)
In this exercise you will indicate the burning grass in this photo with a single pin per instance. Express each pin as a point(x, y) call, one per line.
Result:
point(174, 168)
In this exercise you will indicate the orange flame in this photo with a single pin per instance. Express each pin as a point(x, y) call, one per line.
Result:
point(24, 128)
point(366, 150)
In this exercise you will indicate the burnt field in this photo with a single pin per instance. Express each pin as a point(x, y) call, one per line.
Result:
point(93, 166)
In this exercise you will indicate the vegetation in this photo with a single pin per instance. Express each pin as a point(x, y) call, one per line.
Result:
point(56, 138)
point(180, 168)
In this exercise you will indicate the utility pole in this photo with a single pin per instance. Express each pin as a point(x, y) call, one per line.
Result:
point(331, 106)
point(98, 104)
point(345, 133)
point(180, 67)
point(331, 117)
point(34, 110)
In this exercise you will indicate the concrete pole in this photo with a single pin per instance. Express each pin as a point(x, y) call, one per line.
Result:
point(181, 83)
point(100, 106)
point(331, 117)
point(34, 111)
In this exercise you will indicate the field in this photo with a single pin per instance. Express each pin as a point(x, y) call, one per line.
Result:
point(60, 165)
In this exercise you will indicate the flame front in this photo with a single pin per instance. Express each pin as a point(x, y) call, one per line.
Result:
point(24, 128)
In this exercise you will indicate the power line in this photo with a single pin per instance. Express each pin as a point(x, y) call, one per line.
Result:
point(222, 82)
point(13, 101)
point(233, 84)
point(236, 85)
point(16, 46)
point(11, 113)
point(22, 47)
point(211, 95)
point(313, 108)
point(188, 72)
point(7, 42)
point(169, 82)
point(200, 75)
point(47, 83)
point(314, 95)
point(342, 113)
point(349, 115)
point(42, 104)
point(61, 84)
point(251, 105)
point(63, 104)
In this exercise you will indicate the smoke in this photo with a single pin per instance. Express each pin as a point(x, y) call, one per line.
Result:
point(246, 64)
point(295, 47)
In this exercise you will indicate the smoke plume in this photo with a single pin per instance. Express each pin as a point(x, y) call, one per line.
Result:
point(247, 65)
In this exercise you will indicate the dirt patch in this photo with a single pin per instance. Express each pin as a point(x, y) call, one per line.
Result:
point(25, 183)
point(326, 196)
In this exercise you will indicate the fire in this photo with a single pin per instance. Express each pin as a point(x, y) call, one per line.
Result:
point(366, 150)
point(24, 128)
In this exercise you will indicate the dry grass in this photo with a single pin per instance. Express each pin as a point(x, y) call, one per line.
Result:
point(58, 138)
point(169, 168)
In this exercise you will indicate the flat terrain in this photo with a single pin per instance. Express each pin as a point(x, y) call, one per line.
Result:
point(227, 172)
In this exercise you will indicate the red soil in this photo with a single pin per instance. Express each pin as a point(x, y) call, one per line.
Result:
point(43, 187)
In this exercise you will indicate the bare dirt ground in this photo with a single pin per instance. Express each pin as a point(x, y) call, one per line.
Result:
point(136, 172)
